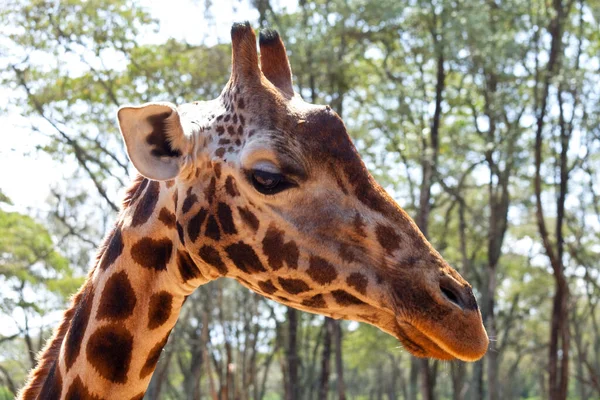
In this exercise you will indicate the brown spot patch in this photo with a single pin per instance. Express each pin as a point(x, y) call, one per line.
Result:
point(387, 238)
point(346, 253)
point(194, 226)
point(175, 198)
point(244, 257)
point(180, 233)
point(220, 152)
point(167, 217)
point(209, 192)
point(114, 249)
point(317, 301)
point(109, 351)
point(79, 324)
point(359, 225)
point(187, 266)
point(52, 388)
point(146, 206)
point(211, 256)
point(212, 229)
point(217, 170)
point(190, 200)
point(118, 298)
point(358, 281)
point(231, 187)
point(159, 309)
point(344, 298)
point(152, 254)
point(249, 218)
point(267, 287)
point(77, 391)
point(153, 357)
point(293, 286)
point(226, 219)
point(321, 271)
point(277, 251)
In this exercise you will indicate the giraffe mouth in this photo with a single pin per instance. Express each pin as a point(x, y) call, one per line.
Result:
point(419, 344)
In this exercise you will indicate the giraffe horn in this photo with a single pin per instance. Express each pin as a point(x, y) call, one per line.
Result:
point(244, 63)
point(274, 62)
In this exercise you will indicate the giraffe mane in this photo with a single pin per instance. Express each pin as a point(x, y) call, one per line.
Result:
point(48, 356)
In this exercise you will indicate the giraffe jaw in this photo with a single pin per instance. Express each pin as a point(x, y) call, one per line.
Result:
point(422, 342)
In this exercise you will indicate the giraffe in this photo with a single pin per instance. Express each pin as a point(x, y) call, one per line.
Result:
point(262, 187)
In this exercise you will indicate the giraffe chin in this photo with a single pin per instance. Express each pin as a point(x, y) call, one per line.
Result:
point(422, 343)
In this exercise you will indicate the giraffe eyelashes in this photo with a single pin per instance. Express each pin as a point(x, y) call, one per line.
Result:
point(269, 183)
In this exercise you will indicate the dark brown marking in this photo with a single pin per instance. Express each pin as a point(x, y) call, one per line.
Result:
point(224, 142)
point(167, 217)
point(293, 286)
point(209, 192)
point(387, 238)
point(195, 224)
point(152, 254)
point(359, 225)
point(317, 301)
point(187, 266)
point(235, 118)
point(227, 117)
point(114, 249)
point(79, 324)
point(109, 351)
point(211, 256)
point(153, 357)
point(267, 287)
point(277, 251)
point(242, 120)
point(77, 391)
point(217, 170)
point(226, 219)
point(212, 229)
point(344, 298)
point(175, 198)
point(358, 281)
point(244, 257)
point(159, 309)
point(241, 104)
point(220, 129)
point(231, 187)
point(346, 252)
point(190, 200)
point(158, 137)
point(118, 298)
point(321, 271)
point(52, 387)
point(135, 190)
point(220, 152)
point(249, 218)
point(180, 233)
point(230, 130)
point(146, 205)
point(240, 130)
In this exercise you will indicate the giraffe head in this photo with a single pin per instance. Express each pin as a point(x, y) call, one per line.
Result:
point(270, 190)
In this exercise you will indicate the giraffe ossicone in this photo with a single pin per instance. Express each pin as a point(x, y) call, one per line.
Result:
point(259, 186)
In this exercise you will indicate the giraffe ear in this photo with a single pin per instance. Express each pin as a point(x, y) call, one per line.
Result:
point(274, 61)
point(154, 139)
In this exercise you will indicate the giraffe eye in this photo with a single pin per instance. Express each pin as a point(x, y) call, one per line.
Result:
point(269, 182)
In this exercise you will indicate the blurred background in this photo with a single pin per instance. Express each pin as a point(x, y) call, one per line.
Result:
point(482, 118)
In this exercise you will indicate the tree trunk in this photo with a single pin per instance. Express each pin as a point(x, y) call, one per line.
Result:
point(339, 364)
point(325, 360)
point(292, 355)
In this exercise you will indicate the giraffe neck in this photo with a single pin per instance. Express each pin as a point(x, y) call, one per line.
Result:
point(111, 338)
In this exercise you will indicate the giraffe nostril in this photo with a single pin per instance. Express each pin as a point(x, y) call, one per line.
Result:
point(455, 293)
